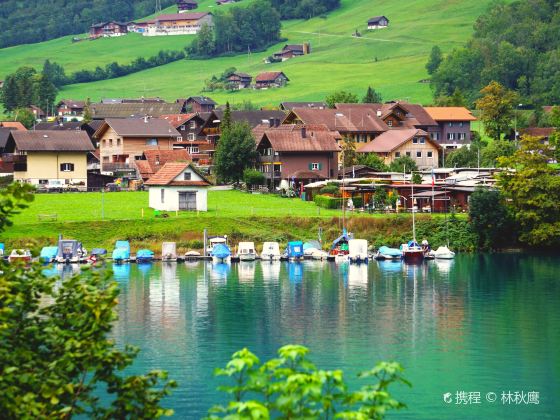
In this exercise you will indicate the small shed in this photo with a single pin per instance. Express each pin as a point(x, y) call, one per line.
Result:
point(178, 186)
point(378, 22)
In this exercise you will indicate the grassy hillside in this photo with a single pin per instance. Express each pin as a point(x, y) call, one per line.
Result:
point(392, 60)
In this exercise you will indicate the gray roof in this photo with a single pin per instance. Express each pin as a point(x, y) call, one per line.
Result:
point(128, 110)
point(4, 134)
point(291, 105)
point(202, 100)
point(50, 141)
point(139, 127)
point(254, 118)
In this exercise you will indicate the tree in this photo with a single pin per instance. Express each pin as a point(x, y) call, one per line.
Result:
point(489, 218)
point(496, 109)
point(253, 177)
point(373, 161)
point(55, 73)
point(87, 118)
point(292, 387)
point(416, 178)
point(436, 57)
point(372, 97)
point(56, 352)
point(44, 92)
point(492, 153)
point(349, 154)
point(533, 189)
point(456, 99)
point(463, 157)
point(340, 97)
point(9, 93)
point(25, 116)
point(226, 120)
point(203, 45)
point(403, 164)
point(235, 152)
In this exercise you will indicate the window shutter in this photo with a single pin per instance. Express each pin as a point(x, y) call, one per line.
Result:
point(320, 166)
point(310, 166)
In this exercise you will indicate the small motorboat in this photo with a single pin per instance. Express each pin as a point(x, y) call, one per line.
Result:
point(386, 253)
point(215, 240)
point(169, 251)
point(270, 251)
point(20, 255)
point(339, 249)
point(144, 256)
point(246, 251)
point(358, 251)
point(221, 253)
point(70, 251)
point(319, 255)
point(192, 255)
point(412, 252)
point(295, 250)
point(96, 254)
point(443, 253)
point(48, 254)
point(121, 253)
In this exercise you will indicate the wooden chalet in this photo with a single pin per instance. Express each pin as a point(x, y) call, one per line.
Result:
point(271, 79)
point(240, 80)
point(378, 22)
point(200, 104)
point(178, 24)
point(108, 29)
point(69, 107)
point(192, 138)
point(293, 50)
point(186, 5)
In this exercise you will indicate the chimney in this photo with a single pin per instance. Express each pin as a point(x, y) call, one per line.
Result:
point(271, 122)
point(303, 132)
point(379, 113)
point(146, 119)
point(276, 122)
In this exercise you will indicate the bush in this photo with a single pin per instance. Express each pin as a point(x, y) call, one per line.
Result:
point(253, 177)
point(328, 202)
point(330, 189)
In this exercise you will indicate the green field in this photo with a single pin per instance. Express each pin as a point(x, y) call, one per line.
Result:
point(392, 60)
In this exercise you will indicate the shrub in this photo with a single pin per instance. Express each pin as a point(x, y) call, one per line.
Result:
point(253, 177)
point(328, 202)
point(330, 189)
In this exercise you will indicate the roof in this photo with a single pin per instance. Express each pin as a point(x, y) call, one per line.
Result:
point(179, 16)
point(100, 25)
point(538, 131)
point(70, 125)
point(4, 134)
point(293, 47)
point(253, 118)
point(393, 139)
point(129, 110)
point(156, 159)
point(139, 127)
point(292, 140)
point(291, 105)
point(48, 141)
point(177, 120)
point(260, 129)
point(202, 100)
point(16, 125)
point(241, 75)
point(355, 120)
point(167, 174)
point(376, 19)
point(70, 103)
point(416, 115)
point(450, 113)
point(269, 76)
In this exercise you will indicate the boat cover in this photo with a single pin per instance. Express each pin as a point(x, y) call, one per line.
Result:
point(311, 245)
point(393, 252)
point(98, 251)
point(221, 251)
point(121, 251)
point(144, 254)
point(48, 253)
point(295, 249)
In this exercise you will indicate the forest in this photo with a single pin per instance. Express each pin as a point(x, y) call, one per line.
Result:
point(304, 9)
point(514, 44)
point(25, 22)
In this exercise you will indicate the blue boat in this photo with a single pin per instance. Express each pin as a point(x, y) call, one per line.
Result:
point(220, 253)
point(295, 250)
point(2, 248)
point(386, 253)
point(144, 256)
point(48, 254)
point(121, 253)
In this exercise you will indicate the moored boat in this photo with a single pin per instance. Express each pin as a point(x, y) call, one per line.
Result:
point(295, 250)
point(358, 251)
point(221, 253)
point(387, 253)
point(443, 253)
point(48, 254)
point(412, 252)
point(169, 251)
point(339, 249)
point(121, 253)
point(20, 255)
point(270, 251)
point(70, 251)
point(246, 251)
point(144, 256)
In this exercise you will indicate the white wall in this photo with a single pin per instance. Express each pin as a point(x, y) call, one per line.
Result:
point(171, 198)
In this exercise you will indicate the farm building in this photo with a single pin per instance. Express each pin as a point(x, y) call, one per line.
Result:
point(378, 22)
point(178, 24)
point(186, 5)
point(271, 79)
point(108, 29)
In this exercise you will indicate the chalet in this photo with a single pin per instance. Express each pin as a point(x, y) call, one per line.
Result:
point(122, 141)
point(293, 50)
point(542, 133)
point(67, 108)
point(271, 79)
point(138, 27)
point(200, 104)
point(221, 2)
point(288, 106)
point(44, 157)
point(378, 22)
point(153, 160)
point(101, 111)
point(5, 130)
point(298, 154)
point(412, 142)
point(37, 112)
point(178, 24)
point(60, 125)
point(178, 186)
point(108, 29)
point(186, 5)
point(193, 141)
point(454, 124)
point(240, 80)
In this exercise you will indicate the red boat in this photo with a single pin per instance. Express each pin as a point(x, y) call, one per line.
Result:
point(412, 252)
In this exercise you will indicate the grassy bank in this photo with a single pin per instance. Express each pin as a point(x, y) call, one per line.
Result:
point(252, 217)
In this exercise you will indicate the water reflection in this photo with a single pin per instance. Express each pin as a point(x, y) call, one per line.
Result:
point(219, 273)
point(246, 271)
point(121, 272)
point(295, 272)
point(271, 271)
point(358, 276)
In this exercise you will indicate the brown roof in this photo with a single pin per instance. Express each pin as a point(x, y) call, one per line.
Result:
point(538, 131)
point(393, 139)
point(179, 16)
point(416, 115)
point(176, 120)
point(450, 113)
point(138, 127)
point(52, 141)
point(70, 103)
point(158, 158)
point(16, 125)
point(134, 109)
point(167, 174)
point(355, 120)
point(292, 140)
point(260, 129)
point(269, 76)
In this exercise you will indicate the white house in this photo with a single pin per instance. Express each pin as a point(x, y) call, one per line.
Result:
point(178, 186)
point(378, 22)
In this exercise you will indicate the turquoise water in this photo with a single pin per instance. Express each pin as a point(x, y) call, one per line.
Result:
point(477, 324)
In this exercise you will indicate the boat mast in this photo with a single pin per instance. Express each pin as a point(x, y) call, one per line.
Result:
point(413, 216)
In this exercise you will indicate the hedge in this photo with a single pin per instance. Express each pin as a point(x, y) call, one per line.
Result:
point(328, 202)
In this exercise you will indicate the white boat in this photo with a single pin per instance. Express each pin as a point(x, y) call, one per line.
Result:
point(169, 251)
point(341, 258)
point(270, 251)
point(20, 255)
point(358, 250)
point(443, 253)
point(319, 254)
point(246, 251)
point(214, 241)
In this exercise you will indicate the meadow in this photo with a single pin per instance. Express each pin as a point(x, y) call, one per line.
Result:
point(391, 60)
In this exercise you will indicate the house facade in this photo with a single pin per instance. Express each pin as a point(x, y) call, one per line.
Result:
point(178, 186)
point(178, 24)
point(378, 22)
point(293, 50)
point(69, 109)
point(46, 158)
point(271, 79)
point(123, 141)
point(200, 104)
point(193, 141)
point(186, 5)
point(454, 126)
point(108, 29)
point(240, 80)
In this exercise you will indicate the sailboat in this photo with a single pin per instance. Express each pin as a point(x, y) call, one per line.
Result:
point(443, 252)
point(411, 251)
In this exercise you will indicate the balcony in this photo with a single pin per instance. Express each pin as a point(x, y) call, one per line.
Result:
point(211, 131)
point(19, 161)
point(117, 167)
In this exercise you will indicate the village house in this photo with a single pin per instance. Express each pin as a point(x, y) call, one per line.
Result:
point(60, 125)
point(288, 106)
point(271, 79)
point(137, 27)
point(221, 2)
point(108, 29)
point(178, 24)
point(186, 5)
point(542, 133)
point(37, 112)
point(455, 125)
point(200, 104)
point(240, 80)
point(69, 109)
point(44, 158)
point(178, 186)
point(293, 50)
point(6, 128)
point(130, 109)
point(192, 138)
point(378, 22)
point(412, 142)
point(122, 141)
point(153, 160)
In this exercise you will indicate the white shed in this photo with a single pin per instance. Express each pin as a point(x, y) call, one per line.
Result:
point(178, 186)
point(378, 22)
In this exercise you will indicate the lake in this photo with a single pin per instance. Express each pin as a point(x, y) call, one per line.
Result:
point(480, 323)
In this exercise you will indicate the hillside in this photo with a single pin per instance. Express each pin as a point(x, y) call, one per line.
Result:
point(392, 60)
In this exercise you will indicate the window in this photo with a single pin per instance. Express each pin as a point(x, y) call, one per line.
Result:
point(193, 150)
point(430, 154)
point(418, 154)
point(422, 140)
point(162, 194)
point(315, 166)
point(462, 136)
point(460, 123)
point(187, 176)
point(191, 137)
point(408, 153)
point(397, 154)
point(110, 142)
point(390, 123)
point(415, 140)
point(118, 142)
point(450, 136)
point(43, 181)
point(193, 125)
point(450, 124)
point(151, 142)
point(435, 136)
point(183, 127)
point(67, 167)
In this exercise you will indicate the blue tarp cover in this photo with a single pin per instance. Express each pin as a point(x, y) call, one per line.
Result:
point(295, 249)
point(144, 254)
point(221, 251)
point(385, 250)
point(48, 253)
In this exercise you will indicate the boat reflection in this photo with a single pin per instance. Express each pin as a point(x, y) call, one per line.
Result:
point(218, 273)
point(121, 272)
point(295, 272)
point(145, 268)
point(358, 275)
point(271, 271)
point(390, 266)
point(246, 271)
point(444, 266)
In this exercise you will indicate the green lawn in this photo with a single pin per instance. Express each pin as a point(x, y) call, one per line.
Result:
point(392, 60)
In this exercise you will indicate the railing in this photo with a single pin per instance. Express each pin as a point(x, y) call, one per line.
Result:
point(211, 131)
point(19, 161)
point(117, 166)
